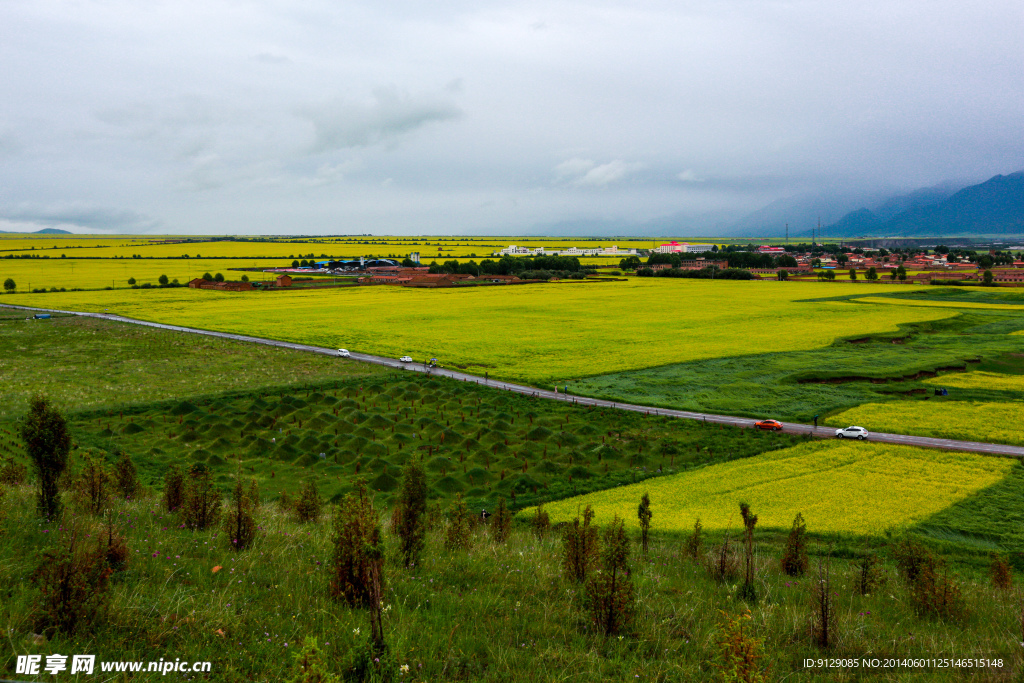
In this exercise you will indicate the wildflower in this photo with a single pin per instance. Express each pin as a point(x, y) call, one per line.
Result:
point(405, 667)
point(355, 631)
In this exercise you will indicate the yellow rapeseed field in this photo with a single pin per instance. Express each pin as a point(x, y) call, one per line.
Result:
point(535, 333)
point(967, 420)
point(59, 272)
point(995, 381)
point(861, 488)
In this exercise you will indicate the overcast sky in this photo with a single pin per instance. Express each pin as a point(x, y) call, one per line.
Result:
point(475, 117)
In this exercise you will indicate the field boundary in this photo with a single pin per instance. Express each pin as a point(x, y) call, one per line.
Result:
point(993, 449)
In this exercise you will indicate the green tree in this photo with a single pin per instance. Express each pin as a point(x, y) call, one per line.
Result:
point(853, 273)
point(901, 273)
point(131, 281)
point(988, 278)
point(9, 284)
point(611, 596)
point(872, 274)
point(502, 522)
point(245, 278)
point(163, 280)
point(353, 535)
point(201, 507)
point(207, 277)
point(630, 263)
point(47, 440)
point(218, 277)
point(830, 275)
point(295, 264)
point(308, 506)
point(412, 505)
point(783, 275)
point(794, 555)
point(126, 477)
point(644, 514)
point(985, 261)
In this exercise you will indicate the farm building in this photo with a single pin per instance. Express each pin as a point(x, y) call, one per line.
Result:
point(225, 286)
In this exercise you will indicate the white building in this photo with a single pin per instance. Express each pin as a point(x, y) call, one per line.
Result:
point(683, 248)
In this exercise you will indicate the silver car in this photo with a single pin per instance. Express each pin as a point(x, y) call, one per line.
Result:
point(852, 433)
point(343, 353)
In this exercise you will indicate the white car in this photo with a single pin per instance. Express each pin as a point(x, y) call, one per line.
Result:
point(852, 433)
point(406, 359)
point(344, 353)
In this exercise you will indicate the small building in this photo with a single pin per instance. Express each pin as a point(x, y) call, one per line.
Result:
point(283, 280)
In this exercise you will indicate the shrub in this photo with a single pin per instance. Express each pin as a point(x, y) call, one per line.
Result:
point(541, 523)
point(739, 652)
point(721, 564)
point(457, 535)
point(867, 574)
point(501, 525)
point(239, 523)
point(174, 488)
point(308, 506)
point(912, 560)
point(126, 477)
point(579, 547)
point(695, 543)
point(644, 514)
point(115, 548)
point(794, 555)
point(823, 611)
point(13, 473)
point(284, 502)
point(310, 665)
point(935, 594)
point(611, 597)
point(999, 570)
point(47, 442)
point(93, 486)
point(747, 590)
point(412, 505)
point(72, 578)
point(201, 506)
point(350, 562)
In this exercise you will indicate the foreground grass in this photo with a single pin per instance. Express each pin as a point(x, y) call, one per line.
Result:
point(83, 363)
point(494, 613)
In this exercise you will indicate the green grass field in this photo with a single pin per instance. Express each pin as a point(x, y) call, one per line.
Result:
point(84, 363)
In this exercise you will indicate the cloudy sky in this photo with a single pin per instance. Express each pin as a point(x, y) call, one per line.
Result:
point(490, 117)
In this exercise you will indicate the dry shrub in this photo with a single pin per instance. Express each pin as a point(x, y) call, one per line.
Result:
point(458, 534)
point(309, 504)
point(73, 580)
point(201, 507)
point(740, 651)
point(12, 473)
point(935, 594)
point(115, 546)
point(794, 554)
point(1000, 572)
point(912, 560)
point(239, 523)
point(722, 564)
point(501, 525)
point(611, 597)
point(695, 543)
point(174, 488)
point(579, 546)
point(350, 562)
point(126, 477)
point(867, 574)
point(541, 523)
point(823, 616)
point(92, 486)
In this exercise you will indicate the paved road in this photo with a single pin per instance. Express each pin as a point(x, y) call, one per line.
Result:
point(791, 428)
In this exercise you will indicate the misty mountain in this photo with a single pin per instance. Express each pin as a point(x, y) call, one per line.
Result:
point(993, 207)
point(802, 212)
point(44, 231)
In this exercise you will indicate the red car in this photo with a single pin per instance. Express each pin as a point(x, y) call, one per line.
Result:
point(772, 425)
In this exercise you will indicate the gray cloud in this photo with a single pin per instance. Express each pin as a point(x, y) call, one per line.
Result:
point(499, 115)
point(89, 218)
point(388, 114)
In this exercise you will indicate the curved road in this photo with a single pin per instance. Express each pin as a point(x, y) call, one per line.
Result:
point(792, 428)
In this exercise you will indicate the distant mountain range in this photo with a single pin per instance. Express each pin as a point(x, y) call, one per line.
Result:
point(44, 231)
point(994, 207)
